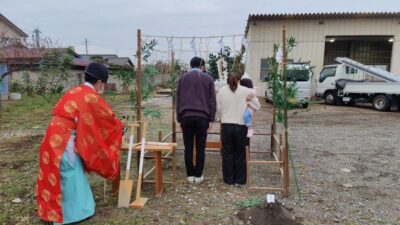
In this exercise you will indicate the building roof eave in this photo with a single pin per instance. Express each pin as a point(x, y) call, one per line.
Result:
point(13, 26)
point(329, 15)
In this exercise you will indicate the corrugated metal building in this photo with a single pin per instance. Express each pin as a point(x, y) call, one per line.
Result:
point(370, 38)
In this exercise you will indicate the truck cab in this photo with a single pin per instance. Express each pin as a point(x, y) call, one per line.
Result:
point(351, 82)
point(326, 87)
point(301, 73)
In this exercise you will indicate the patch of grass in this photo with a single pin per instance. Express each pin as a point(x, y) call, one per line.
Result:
point(30, 112)
point(383, 222)
point(247, 203)
point(3, 217)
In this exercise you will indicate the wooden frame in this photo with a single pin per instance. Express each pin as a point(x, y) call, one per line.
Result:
point(281, 160)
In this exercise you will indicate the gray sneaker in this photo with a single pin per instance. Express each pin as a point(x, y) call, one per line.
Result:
point(198, 180)
point(191, 180)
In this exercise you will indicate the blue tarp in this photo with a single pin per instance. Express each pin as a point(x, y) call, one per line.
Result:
point(4, 81)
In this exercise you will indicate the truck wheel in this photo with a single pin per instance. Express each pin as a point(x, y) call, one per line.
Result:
point(381, 103)
point(330, 98)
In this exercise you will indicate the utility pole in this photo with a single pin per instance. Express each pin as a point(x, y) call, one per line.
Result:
point(86, 46)
point(37, 32)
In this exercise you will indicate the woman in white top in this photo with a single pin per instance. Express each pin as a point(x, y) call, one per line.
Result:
point(232, 102)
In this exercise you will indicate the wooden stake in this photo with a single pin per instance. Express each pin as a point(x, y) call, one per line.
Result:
point(248, 167)
point(272, 139)
point(285, 172)
point(159, 136)
point(280, 144)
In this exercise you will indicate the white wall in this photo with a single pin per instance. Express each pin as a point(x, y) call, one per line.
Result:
point(310, 36)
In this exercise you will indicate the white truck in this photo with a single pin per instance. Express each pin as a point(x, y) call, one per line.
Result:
point(351, 82)
point(301, 73)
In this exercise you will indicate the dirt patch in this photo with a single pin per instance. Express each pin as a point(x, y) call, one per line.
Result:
point(265, 214)
point(21, 143)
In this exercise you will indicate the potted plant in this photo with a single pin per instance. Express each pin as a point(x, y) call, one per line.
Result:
point(15, 90)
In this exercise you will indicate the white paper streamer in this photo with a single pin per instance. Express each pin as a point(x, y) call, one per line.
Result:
point(279, 55)
point(193, 46)
point(245, 44)
point(221, 43)
point(171, 44)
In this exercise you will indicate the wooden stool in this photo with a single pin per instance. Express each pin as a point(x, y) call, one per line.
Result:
point(157, 150)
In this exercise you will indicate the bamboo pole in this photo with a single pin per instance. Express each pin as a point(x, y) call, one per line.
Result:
point(285, 152)
point(139, 90)
point(273, 128)
point(173, 121)
point(139, 82)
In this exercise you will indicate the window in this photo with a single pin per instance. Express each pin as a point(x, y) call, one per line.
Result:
point(298, 75)
point(350, 70)
point(327, 72)
point(264, 69)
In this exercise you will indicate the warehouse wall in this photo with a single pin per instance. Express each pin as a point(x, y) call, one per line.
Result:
point(310, 35)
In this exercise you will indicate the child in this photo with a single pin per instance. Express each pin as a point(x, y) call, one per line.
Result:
point(251, 106)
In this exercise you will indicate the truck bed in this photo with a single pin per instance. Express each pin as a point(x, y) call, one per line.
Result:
point(371, 87)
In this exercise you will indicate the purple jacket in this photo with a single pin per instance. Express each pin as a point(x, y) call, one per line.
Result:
point(195, 96)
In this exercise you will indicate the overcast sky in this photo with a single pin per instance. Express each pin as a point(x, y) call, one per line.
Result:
point(110, 25)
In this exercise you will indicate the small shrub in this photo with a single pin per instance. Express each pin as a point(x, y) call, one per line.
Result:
point(56, 89)
point(15, 86)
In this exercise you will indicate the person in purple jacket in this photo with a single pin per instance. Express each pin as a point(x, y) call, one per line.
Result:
point(195, 110)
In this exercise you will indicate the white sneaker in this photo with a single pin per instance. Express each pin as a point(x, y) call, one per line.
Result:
point(198, 180)
point(191, 180)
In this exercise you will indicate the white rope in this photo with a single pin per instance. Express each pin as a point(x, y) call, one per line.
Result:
point(191, 37)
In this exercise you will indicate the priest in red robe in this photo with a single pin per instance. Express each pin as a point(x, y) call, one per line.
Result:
point(83, 135)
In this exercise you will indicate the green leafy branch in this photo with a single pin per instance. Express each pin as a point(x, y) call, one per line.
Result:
point(276, 75)
point(247, 203)
point(233, 63)
point(149, 73)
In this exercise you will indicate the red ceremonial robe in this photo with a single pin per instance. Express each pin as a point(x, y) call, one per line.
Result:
point(98, 141)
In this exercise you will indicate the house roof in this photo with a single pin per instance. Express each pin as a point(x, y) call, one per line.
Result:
point(310, 16)
point(103, 56)
point(17, 53)
point(120, 61)
point(80, 62)
point(12, 25)
point(110, 59)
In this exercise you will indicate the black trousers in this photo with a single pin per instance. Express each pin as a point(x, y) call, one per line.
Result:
point(234, 138)
point(194, 128)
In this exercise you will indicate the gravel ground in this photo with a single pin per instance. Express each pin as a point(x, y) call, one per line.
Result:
point(347, 161)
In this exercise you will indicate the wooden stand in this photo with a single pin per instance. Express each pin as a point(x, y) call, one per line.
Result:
point(157, 150)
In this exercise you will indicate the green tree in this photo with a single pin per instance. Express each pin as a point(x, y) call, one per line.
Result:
point(127, 76)
point(213, 66)
point(149, 73)
point(55, 69)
